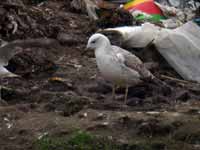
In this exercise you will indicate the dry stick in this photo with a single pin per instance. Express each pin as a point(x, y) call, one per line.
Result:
point(177, 80)
point(15, 27)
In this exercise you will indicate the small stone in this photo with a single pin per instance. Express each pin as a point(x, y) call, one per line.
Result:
point(100, 116)
point(105, 123)
point(83, 115)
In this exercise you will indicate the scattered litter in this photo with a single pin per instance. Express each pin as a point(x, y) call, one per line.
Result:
point(144, 10)
point(56, 79)
point(77, 66)
point(105, 123)
point(153, 113)
point(41, 135)
point(6, 119)
point(93, 77)
point(180, 47)
point(175, 17)
point(12, 138)
point(100, 116)
point(84, 115)
point(9, 125)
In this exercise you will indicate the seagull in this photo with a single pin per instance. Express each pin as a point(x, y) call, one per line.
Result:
point(6, 53)
point(117, 65)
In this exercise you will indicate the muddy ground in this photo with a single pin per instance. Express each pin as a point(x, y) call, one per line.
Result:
point(60, 90)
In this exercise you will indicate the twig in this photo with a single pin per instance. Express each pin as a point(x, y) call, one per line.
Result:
point(177, 80)
point(15, 27)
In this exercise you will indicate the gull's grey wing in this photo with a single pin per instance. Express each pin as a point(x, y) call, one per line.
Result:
point(131, 61)
point(7, 51)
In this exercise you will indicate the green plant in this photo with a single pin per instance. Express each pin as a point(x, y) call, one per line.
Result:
point(79, 140)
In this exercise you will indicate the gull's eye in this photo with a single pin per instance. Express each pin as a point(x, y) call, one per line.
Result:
point(93, 41)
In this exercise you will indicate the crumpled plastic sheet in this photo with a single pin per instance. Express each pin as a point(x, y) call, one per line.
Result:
point(180, 47)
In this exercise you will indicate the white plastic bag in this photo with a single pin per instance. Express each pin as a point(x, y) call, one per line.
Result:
point(181, 49)
point(138, 36)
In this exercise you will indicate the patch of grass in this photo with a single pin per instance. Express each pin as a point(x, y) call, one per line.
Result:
point(77, 141)
point(81, 140)
point(47, 143)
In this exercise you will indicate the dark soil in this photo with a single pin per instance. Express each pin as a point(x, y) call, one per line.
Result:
point(60, 90)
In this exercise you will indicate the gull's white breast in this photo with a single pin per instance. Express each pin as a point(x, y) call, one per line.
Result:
point(110, 67)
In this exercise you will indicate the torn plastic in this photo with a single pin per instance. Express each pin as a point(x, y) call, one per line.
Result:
point(160, 12)
point(145, 10)
point(138, 36)
point(176, 17)
point(180, 47)
point(181, 4)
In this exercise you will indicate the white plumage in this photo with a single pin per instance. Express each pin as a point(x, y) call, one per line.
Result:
point(6, 53)
point(116, 64)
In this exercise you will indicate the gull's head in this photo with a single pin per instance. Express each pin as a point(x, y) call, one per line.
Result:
point(97, 40)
